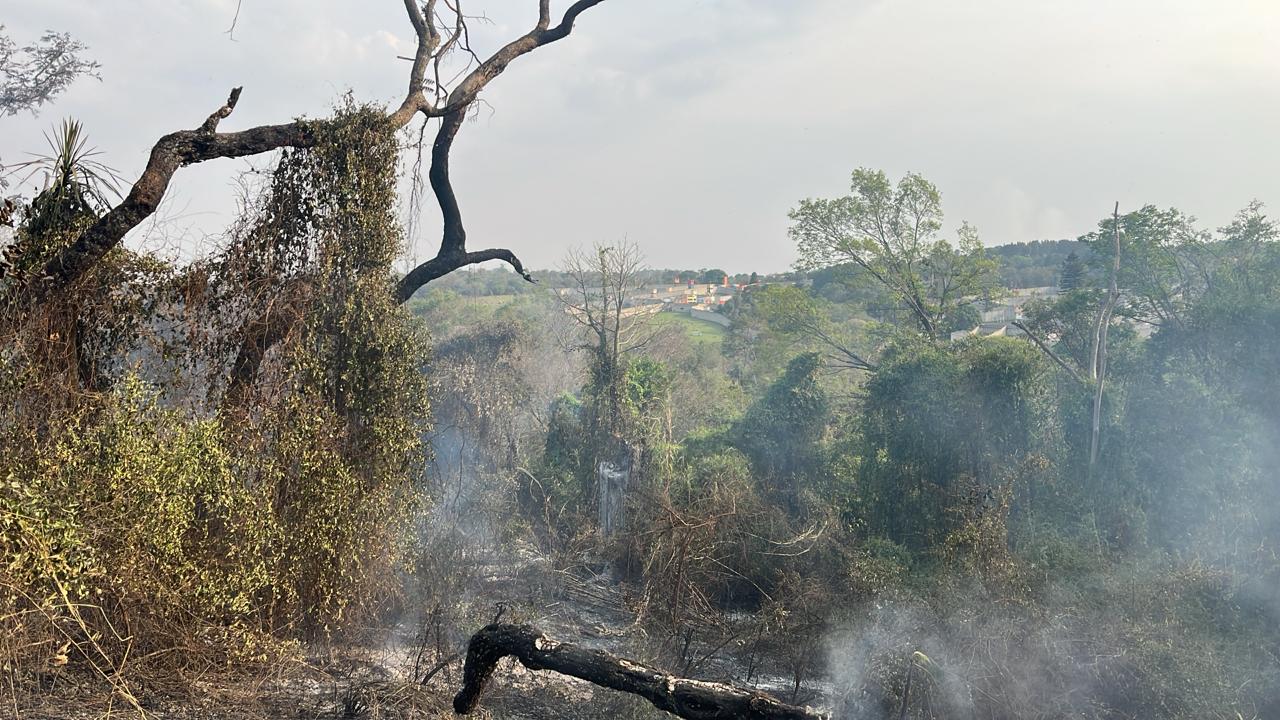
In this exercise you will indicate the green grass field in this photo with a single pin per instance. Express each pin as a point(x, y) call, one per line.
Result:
point(699, 331)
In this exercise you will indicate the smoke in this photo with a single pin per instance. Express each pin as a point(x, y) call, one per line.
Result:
point(908, 659)
point(1151, 637)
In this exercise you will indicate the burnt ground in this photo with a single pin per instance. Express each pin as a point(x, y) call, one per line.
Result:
point(382, 679)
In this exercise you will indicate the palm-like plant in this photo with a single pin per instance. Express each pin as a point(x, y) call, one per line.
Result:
point(76, 187)
point(76, 191)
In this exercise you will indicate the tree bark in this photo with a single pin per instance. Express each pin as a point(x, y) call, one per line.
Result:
point(691, 699)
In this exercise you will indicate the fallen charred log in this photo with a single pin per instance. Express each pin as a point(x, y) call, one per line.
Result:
point(692, 699)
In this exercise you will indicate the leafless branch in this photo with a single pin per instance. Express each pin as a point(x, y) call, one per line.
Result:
point(187, 147)
point(1075, 374)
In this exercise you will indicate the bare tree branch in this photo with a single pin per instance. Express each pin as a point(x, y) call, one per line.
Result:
point(187, 147)
point(442, 265)
point(211, 124)
point(453, 253)
point(1075, 374)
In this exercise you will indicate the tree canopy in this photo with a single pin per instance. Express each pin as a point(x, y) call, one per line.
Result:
point(890, 233)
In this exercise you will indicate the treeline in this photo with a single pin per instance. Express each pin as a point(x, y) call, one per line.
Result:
point(482, 281)
point(1035, 264)
point(1026, 264)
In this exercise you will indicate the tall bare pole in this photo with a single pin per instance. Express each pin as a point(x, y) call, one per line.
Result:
point(1098, 361)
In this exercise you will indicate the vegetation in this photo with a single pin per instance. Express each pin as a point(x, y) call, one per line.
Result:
point(35, 74)
point(1038, 263)
point(265, 467)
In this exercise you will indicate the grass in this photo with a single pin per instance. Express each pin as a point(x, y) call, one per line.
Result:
point(701, 332)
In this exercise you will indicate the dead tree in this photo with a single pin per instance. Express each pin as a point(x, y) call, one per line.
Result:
point(692, 699)
point(1098, 358)
point(605, 280)
point(1095, 375)
point(441, 31)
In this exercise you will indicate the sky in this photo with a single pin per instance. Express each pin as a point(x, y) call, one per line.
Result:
point(691, 127)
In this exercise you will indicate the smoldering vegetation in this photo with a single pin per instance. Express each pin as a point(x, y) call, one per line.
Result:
point(884, 484)
point(929, 537)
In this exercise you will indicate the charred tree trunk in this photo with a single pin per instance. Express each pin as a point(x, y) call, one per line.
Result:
point(692, 699)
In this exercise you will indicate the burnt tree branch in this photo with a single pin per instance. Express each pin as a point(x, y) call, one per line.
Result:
point(1048, 351)
point(686, 698)
point(171, 152)
point(453, 251)
point(187, 147)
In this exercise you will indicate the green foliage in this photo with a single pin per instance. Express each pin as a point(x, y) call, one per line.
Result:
point(890, 234)
point(1072, 276)
point(1162, 257)
point(347, 455)
point(144, 519)
point(1038, 263)
point(564, 433)
point(141, 514)
point(76, 190)
point(757, 348)
point(1068, 322)
point(714, 276)
point(945, 426)
point(646, 394)
point(782, 431)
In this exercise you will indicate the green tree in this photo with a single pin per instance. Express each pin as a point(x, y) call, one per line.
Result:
point(962, 317)
point(714, 276)
point(1067, 324)
point(891, 234)
point(604, 279)
point(1164, 259)
point(772, 324)
point(782, 431)
point(1072, 273)
point(1229, 328)
point(795, 314)
point(942, 427)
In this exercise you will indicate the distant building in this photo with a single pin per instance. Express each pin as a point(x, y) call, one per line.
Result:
point(989, 329)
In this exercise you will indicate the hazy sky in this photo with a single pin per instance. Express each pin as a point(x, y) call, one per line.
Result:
point(691, 126)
